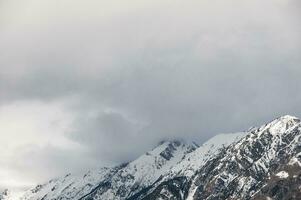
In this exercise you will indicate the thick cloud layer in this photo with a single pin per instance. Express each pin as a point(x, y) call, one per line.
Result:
point(92, 83)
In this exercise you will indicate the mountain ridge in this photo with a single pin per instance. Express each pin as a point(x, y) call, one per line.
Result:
point(228, 166)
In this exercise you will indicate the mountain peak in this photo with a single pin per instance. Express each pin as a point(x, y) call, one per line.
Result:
point(166, 148)
point(288, 118)
point(228, 166)
point(280, 125)
point(176, 142)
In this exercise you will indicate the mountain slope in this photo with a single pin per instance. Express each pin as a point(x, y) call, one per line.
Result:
point(117, 182)
point(144, 171)
point(242, 169)
point(167, 160)
point(261, 163)
point(246, 169)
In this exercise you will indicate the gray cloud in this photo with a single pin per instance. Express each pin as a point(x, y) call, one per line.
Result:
point(136, 73)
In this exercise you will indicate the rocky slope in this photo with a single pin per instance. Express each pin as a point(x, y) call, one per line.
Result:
point(262, 163)
point(118, 182)
point(245, 169)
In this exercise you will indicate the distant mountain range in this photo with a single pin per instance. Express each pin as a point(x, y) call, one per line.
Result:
point(260, 164)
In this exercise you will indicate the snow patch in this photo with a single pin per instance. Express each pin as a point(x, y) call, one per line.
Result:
point(282, 174)
point(294, 161)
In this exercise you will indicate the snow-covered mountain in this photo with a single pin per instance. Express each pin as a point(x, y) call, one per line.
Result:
point(262, 163)
point(118, 182)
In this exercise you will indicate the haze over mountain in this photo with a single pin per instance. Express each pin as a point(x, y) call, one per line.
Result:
point(86, 84)
point(261, 163)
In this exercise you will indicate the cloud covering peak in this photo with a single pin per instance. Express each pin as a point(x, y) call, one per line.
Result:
point(98, 83)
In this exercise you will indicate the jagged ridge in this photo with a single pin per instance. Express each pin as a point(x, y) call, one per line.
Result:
point(229, 166)
point(244, 169)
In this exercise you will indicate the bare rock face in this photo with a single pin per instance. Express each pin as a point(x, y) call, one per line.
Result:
point(284, 184)
point(262, 163)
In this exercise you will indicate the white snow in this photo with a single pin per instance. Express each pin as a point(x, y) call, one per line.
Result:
point(282, 174)
point(143, 171)
point(280, 125)
point(12, 195)
point(196, 159)
point(72, 185)
point(201, 155)
point(147, 169)
point(294, 161)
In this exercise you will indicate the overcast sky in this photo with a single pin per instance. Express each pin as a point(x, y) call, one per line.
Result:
point(88, 83)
